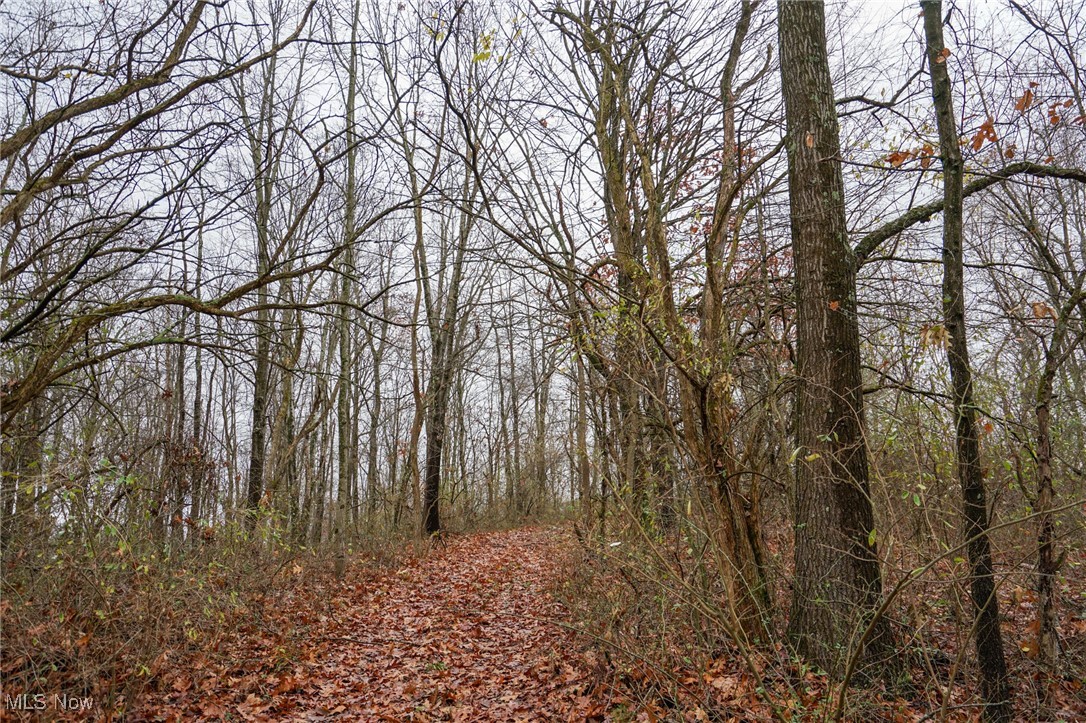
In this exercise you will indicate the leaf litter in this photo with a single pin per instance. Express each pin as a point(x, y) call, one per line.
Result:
point(468, 632)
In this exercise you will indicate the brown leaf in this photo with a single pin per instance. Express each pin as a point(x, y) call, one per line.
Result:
point(1041, 310)
point(898, 157)
point(1023, 103)
point(933, 335)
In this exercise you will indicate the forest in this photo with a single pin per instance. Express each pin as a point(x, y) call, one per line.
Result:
point(543, 360)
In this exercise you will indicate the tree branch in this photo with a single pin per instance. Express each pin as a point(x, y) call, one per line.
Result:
point(870, 243)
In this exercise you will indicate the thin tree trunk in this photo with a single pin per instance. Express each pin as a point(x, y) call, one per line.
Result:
point(262, 363)
point(438, 396)
point(344, 432)
point(993, 668)
point(372, 479)
point(1048, 564)
point(505, 441)
point(514, 429)
point(1047, 636)
point(199, 472)
point(584, 467)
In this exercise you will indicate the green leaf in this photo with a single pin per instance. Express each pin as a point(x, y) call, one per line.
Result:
point(871, 536)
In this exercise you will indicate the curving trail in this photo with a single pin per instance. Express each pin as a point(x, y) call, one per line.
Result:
point(466, 633)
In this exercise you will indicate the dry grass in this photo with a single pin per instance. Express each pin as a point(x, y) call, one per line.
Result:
point(103, 617)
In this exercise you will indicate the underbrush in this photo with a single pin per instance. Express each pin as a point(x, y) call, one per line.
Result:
point(654, 609)
point(105, 617)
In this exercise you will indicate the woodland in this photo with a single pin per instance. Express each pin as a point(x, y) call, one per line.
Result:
point(556, 360)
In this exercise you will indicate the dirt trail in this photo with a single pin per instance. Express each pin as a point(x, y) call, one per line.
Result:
point(466, 633)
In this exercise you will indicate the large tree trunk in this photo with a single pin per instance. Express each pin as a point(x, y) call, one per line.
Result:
point(837, 578)
point(993, 668)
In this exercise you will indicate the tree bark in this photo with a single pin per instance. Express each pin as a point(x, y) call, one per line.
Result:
point(344, 429)
point(261, 382)
point(838, 584)
point(437, 397)
point(1047, 636)
point(376, 412)
point(993, 668)
point(1058, 350)
point(444, 319)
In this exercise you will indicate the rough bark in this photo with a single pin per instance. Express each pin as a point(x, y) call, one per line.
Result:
point(437, 396)
point(837, 584)
point(1047, 636)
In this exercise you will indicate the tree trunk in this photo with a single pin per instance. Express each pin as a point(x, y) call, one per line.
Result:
point(376, 410)
point(1047, 637)
point(344, 430)
point(837, 585)
point(1056, 353)
point(437, 397)
point(513, 482)
point(583, 464)
point(262, 360)
point(993, 668)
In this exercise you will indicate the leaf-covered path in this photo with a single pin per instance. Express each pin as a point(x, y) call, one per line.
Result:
point(466, 633)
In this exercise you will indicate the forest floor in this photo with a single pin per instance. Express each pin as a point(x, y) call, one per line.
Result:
point(468, 632)
point(472, 629)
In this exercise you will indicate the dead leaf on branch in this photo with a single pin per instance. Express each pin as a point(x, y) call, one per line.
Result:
point(1042, 310)
point(1023, 103)
point(933, 335)
point(986, 133)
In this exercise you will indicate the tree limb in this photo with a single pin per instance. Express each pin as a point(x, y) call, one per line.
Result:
point(870, 243)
